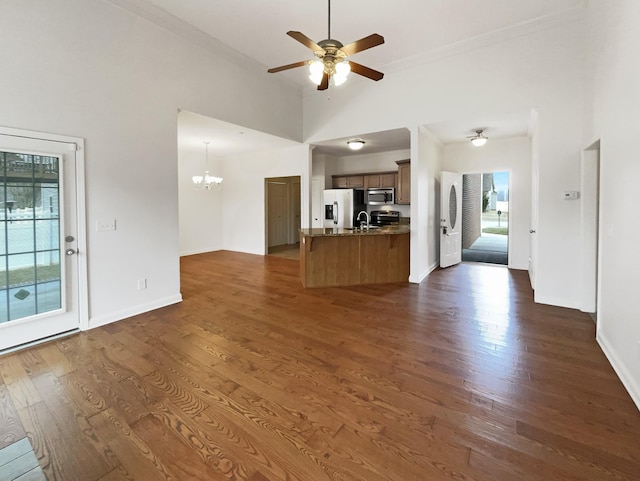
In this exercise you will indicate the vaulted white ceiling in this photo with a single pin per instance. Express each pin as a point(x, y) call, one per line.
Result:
point(414, 31)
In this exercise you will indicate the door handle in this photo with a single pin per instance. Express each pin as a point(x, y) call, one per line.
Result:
point(532, 231)
point(71, 252)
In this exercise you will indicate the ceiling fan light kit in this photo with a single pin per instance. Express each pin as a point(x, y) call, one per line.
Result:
point(316, 69)
point(479, 139)
point(331, 61)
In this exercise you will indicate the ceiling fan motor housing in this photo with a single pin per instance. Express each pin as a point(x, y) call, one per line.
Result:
point(332, 58)
point(330, 55)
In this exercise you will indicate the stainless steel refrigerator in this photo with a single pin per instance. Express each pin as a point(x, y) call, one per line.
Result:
point(341, 206)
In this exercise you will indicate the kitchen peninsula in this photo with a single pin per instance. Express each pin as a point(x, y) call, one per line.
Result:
point(349, 256)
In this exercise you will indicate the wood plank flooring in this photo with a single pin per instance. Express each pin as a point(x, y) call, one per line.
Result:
point(254, 378)
point(288, 251)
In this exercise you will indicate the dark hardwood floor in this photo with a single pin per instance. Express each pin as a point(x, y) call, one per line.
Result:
point(254, 378)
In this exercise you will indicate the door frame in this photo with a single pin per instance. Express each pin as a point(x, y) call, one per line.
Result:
point(590, 227)
point(269, 183)
point(81, 234)
point(288, 180)
point(509, 231)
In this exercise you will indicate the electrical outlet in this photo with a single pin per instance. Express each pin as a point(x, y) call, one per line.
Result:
point(142, 284)
point(105, 225)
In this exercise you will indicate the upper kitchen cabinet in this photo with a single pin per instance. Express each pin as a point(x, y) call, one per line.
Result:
point(385, 179)
point(348, 181)
point(403, 192)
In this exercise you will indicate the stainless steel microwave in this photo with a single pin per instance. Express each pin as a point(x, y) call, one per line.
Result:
point(381, 196)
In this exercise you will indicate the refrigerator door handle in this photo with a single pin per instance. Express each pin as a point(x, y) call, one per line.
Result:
point(335, 212)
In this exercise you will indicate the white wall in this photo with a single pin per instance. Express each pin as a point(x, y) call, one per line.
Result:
point(615, 107)
point(544, 69)
point(243, 224)
point(511, 155)
point(89, 69)
point(375, 162)
point(324, 165)
point(426, 165)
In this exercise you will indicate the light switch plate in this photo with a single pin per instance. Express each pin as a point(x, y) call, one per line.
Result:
point(105, 225)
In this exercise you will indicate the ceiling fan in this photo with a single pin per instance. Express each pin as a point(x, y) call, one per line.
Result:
point(479, 139)
point(331, 61)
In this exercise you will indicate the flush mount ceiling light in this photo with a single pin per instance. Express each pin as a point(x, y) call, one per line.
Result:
point(330, 62)
point(206, 181)
point(355, 144)
point(479, 139)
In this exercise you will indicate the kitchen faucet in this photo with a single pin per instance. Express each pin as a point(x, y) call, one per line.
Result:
point(366, 216)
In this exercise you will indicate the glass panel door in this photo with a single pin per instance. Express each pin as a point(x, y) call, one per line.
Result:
point(38, 280)
point(29, 235)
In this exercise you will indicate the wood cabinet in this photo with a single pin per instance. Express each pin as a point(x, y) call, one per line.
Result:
point(403, 191)
point(348, 181)
point(347, 260)
point(386, 179)
point(382, 179)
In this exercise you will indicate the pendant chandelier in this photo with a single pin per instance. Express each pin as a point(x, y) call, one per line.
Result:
point(206, 181)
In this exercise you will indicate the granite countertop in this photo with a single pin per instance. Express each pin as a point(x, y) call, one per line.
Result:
point(346, 231)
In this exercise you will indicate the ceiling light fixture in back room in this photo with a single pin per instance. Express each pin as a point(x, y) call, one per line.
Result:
point(479, 139)
point(206, 181)
point(331, 61)
point(355, 144)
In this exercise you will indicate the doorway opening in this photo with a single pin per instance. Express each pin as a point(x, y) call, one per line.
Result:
point(282, 216)
point(485, 218)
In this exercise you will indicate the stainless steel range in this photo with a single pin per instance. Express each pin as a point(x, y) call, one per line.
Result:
point(385, 217)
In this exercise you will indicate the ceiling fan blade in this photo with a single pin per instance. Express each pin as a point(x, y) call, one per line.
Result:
point(324, 85)
point(365, 71)
point(304, 40)
point(287, 67)
point(372, 40)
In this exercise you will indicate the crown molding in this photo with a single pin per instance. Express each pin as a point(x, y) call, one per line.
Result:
point(473, 44)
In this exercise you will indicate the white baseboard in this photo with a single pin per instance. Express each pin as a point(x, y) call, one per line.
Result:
point(556, 301)
point(134, 311)
point(424, 275)
point(628, 381)
point(200, 251)
point(432, 268)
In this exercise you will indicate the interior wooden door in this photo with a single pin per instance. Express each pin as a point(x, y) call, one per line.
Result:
point(278, 212)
